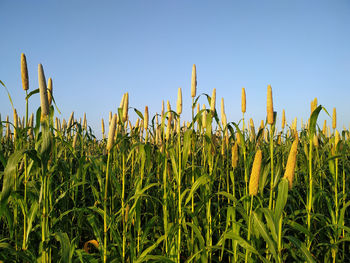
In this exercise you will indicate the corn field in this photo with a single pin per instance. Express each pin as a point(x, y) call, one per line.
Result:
point(164, 190)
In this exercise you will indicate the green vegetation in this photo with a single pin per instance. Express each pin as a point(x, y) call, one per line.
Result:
point(160, 191)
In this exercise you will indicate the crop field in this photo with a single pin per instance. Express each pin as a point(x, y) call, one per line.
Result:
point(163, 189)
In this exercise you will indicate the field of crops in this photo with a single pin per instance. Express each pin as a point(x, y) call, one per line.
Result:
point(164, 190)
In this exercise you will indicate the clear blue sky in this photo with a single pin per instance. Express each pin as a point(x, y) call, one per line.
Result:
point(97, 50)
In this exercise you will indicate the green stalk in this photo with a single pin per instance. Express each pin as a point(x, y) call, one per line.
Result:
point(179, 197)
point(249, 226)
point(123, 208)
point(271, 162)
point(165, 201)
point(309, 203)
point(279, 248)
point(105, 212)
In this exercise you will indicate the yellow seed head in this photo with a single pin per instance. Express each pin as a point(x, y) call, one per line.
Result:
point(125, 107)
point(84, 122)
point(8, 129)
point(179, 102)
point(193, 81)
point(290, 168)
point(145, 123)
point(121, 105)
point(212, 102)
point(243, 104)
point(75, 140)
point(168, 128)
point(283, 119)
point(294, 125)
point(43, 93)
point(269, 105)
point(168, 108)
point(234, 159)
point(15, 123)
point(64, 125)
point(252, 127)
point(49, 91)
point(24, 72)
point(337, 138)
point(313, 105)
point(255, 174)
point(111, 132)
point(71, 119)
point(103, 126)
point(162, 112)
point(334, 119)
point(238, 138)
point(224, 121)
point(222, 107)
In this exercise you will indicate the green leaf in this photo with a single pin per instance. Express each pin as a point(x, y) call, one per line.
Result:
point(8, 94)
point(204, 179)
point(142, 257)
point(65, 245)
point(139, 113)
point(281, 199)
point(263, 232)
point(10, 175)
point(302, 247)
point(186, 146)
point(32, 93)
point(313, 120)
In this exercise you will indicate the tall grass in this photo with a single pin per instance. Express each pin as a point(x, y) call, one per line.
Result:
point(162, 191)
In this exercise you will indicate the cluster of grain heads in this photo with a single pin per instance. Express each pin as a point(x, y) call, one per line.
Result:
point(130, 213)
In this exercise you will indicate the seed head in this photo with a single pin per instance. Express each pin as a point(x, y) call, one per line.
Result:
point(212, 102)
point(125, 107)
point(194, 81)
point(290, 168)
point(103, 126)
point(234, 155)
point(49, 91)
point(111, 132)
point(334, 119)
point(24, 72)
point(269, 105)
point(337, 138)
point(283, 119)
point(179, 102)
point(145, 122)
point(255, 174)
point(243, 104)
point(43, 93)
